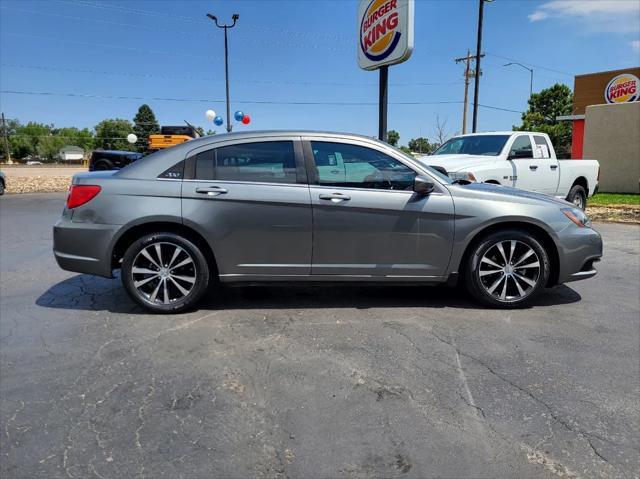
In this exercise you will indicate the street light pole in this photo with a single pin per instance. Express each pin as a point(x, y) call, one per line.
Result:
point(530, 72)
point(234, 17)
point(478, 71)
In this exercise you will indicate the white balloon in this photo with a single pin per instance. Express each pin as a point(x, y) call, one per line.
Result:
point(131, 138)
point(210, 114)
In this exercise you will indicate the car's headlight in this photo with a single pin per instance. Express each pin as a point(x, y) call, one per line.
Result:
point(461, 176)
point(578, 217)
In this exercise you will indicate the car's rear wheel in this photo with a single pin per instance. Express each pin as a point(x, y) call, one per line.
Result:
point(578, 196)
point(1, 188)
point(165, 272)
point(507, 269)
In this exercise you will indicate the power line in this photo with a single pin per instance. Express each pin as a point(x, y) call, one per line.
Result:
point(191, 77)
point(531, 64)
point(314, 44)
point(246, 102)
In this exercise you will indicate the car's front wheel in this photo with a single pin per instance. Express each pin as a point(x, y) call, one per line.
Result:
point(507, 269)
point(165, 272)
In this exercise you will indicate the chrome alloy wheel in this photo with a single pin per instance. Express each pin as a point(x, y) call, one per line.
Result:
point(163, 273)
point(578, 201)
point(509, 270)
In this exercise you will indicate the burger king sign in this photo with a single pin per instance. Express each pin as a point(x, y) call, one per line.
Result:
point(385, 32)
point(622, 89)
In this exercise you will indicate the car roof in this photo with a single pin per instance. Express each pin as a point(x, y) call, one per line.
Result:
point(164, 159)
point(484, 133)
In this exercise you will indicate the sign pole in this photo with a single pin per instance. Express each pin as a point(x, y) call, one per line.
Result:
point(382, 103)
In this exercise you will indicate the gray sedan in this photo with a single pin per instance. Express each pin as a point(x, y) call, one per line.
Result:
point(295, 206)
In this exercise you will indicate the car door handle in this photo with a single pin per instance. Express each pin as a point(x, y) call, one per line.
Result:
point(533, 167)
point(211, 190)
point(554, 167)
point(335, 197)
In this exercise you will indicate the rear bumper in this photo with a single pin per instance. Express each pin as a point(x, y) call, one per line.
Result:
point(84, 247)
point(580, 249)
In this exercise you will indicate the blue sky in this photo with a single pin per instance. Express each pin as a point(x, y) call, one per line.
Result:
point(295, 51)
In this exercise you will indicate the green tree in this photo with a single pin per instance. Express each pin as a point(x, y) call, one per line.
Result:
point(49, 146)
point(24, 140)
point(393, 137)
point(111, 134)
point(73, 136)
point(420, 145)
point(544, 108)
point(145, 124)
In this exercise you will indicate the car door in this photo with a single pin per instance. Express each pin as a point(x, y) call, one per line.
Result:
point(548, 170)
point(251, 200)
point(371, 223)
point(527, 168)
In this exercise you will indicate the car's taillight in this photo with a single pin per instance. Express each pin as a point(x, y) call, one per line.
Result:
point(81, 194)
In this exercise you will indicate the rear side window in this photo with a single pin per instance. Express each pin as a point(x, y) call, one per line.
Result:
point(542, 147)
point(264, 162)
point(176, 172)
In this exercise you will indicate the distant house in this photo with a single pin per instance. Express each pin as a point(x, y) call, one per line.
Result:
point(71, 154)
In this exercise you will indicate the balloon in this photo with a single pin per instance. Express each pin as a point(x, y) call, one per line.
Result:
point(246, 119)
point(131, 138)
point(218, 120)
point(238, 115)
point(210, 114)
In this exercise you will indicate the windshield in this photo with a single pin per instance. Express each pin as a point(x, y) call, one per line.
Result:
point(443, 178)
point(489, 145)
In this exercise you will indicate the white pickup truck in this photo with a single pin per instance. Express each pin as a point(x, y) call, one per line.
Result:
point(520, 159)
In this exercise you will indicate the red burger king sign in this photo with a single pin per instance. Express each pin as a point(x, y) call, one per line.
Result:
point(622, 89)
point(385, 32)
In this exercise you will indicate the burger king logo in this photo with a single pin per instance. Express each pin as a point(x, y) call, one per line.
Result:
point(379, 32)
point(622, 89)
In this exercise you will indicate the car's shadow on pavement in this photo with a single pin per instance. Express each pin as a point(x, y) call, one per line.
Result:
point(92, 293)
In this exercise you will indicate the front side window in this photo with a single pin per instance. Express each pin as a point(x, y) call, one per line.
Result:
point(351, 166)
point(521, 147)
point(264, 162)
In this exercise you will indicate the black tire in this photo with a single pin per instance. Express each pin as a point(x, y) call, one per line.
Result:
point(1, 188)
point(103, 166)
point(479, 285)
point(196, 270)
point(578, 196)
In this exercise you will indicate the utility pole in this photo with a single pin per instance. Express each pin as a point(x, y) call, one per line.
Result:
point(478, 57)
point(234, 17)
point(468, 75)
point(7, 152)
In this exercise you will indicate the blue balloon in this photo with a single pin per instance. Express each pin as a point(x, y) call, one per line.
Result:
point(218, 120)
point(238, 115)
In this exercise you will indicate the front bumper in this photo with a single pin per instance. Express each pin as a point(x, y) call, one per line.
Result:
point(84, 247)
point(580, 249)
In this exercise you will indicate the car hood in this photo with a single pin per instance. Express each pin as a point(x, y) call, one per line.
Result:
point(456, 162)
point(507, 193)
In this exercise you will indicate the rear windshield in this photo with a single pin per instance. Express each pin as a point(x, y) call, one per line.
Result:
point(488, 145)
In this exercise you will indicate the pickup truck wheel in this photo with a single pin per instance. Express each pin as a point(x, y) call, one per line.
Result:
point(578, 196)
point(507, 269)
point(103, 166)
point(165, 273)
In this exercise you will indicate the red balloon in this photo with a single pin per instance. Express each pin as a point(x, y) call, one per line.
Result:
point(246, 119)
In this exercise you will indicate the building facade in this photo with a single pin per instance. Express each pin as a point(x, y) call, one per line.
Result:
point(606, 126)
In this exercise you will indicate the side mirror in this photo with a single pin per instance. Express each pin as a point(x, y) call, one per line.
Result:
point(521, 155)
point(423, 185)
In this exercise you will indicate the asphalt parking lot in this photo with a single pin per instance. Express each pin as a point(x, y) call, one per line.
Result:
point(331, 382)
